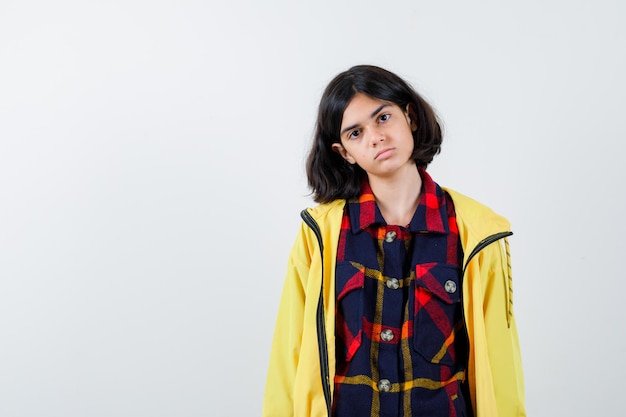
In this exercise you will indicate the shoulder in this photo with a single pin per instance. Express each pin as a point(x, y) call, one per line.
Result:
point(325, 225)
point(327, 211)
point(476, 216)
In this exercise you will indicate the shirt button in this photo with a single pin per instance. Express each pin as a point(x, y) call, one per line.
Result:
point(384, 385)
point(393, 283)
point(390, 236)
point(450, 286)
point(386, 335)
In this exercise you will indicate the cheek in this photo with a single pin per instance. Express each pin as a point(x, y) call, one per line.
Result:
point(350, 158)
point(412, 141)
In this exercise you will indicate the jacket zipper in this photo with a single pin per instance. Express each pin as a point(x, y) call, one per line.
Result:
point(484, 243)
point(320, 323)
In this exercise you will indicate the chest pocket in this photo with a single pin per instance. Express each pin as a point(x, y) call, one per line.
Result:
point(349, 281)
point(437, 312)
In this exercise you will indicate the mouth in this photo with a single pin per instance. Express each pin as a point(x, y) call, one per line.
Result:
point(384, 153)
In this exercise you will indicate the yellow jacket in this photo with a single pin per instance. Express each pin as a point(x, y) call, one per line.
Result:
point(302, 361)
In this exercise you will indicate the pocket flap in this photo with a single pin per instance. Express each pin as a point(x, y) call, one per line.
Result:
point(348, 277)
point(441, 280)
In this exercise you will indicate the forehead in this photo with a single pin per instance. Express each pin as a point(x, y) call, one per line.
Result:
point(363, 107)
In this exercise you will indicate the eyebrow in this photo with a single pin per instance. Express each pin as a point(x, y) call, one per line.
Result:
point(374, 113)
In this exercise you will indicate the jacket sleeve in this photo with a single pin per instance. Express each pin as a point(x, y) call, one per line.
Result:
point(501, 332)
point(286, 344)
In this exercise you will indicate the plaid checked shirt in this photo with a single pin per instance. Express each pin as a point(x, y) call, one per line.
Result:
point(401, 339)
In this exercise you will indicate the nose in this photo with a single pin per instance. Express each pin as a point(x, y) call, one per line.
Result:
point(375, 136)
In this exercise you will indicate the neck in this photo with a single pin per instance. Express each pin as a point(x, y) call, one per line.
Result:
point(397, 197)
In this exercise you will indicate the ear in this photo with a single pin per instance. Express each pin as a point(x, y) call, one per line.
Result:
point(338, 147)
point(411, 117)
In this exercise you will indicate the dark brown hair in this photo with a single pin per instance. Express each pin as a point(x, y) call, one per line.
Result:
point(330, 177)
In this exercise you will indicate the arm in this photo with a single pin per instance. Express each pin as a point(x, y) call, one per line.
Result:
point(286, 345)
point(501, 332)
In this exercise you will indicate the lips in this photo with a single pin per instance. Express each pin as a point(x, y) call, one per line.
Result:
point(384, 153)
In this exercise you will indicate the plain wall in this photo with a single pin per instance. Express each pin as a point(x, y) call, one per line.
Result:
point(151, 178)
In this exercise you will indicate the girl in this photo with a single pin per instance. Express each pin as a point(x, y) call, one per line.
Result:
point(398, 297)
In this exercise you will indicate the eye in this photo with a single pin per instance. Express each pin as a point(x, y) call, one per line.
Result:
point(384, 117)
point(354, 134)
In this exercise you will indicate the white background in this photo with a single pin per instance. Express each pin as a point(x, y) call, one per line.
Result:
point(151, 176)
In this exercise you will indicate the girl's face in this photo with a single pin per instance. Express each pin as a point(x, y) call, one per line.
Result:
point(376, 135)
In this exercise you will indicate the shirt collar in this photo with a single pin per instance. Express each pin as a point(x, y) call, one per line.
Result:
point(429, 217)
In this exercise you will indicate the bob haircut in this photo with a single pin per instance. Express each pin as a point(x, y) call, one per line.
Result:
point(330, 177)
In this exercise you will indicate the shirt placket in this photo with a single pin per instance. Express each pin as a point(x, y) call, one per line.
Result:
point(391, 296)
